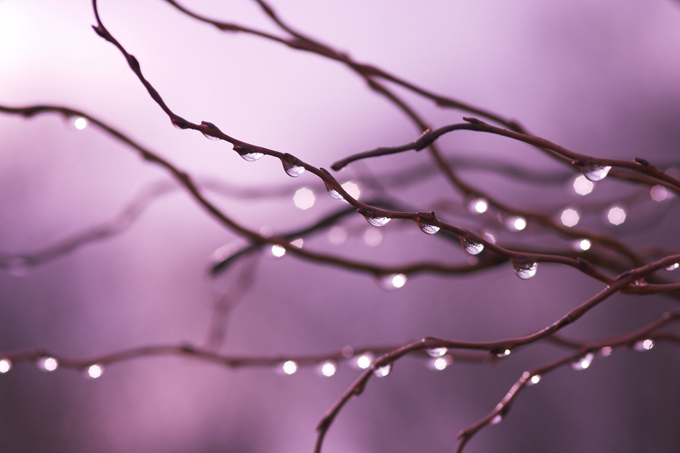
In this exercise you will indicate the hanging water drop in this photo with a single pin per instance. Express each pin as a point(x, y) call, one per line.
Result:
point(94, 371)
point(328, 368)
point(471, 247)
point(212, 127)
point(525, 269)
point(673, 267)
point(289, 367)
point(47, 364)
point(247, 155)
point(594, 172)
point(393, 281)
point(383, 370)
point(496, 420)
point(583, 362)
point(503, 353)
point(291, 165)
point(644, 345)
point(428, 229)
point(364, 360)
point(5, 365)
point(437, 352)
point(533, 380)
point(442, 363)
point(333, 193)
point(377, 221)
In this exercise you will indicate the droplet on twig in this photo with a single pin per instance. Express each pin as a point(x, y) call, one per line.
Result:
point(595, 172)
point(478, 205)
point(5, 365)
point(383, 371)
point(328, 368)
point(437, 352)
point(525, 269)
point(333, 193)
point(364, 360)
point(377, 221)
point(470, 246)
point(496, 420)
point(673, 267)
point(291, 165)
point(503, 353)
point(289, 367)
point(248, 155)
point(212, 127)
point(94, 371)
point(427, 228)
point(644, 345)
point(278, 251)
point(583, 362)
point(47, 364)
point(391, 282)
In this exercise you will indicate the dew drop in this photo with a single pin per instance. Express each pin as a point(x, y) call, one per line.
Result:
point(80, 123)
point(437, 352)
point(533, 380)
point(247, 155)
point(644, 345)
point(583, 362)
point(290, 165)
point(364, 360)
point(278, 251)
point(496, 420)
point(503, 353)
point(673, 267)
point(478, 205)
point(328, 368)
point(471, 247)
point(47, 364)
point(377, 221)
point(94, 371)
point(289, 367)
point(210, 126)
point(525, 269)
point(393, 281)
point(333, 193)
point(595, 172)
point(5, 365)
point(383, 370)
point(427, 228)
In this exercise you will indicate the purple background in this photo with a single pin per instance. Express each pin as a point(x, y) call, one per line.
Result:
point(597, 77)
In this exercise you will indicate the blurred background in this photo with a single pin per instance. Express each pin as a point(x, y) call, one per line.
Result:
point(599, 78)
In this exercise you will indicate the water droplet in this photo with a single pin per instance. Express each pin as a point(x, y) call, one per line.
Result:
point(291, 165)
point(583, 362)
point(364, 360)
point(393, 281)
point(582, 185)
point(304, 198)
point(535, 379)
point(496, 420)
point(606, 351)
point(278, 251)
point(328, 368)
point(246, 154)
point(289, 367)
point(478, 205)
point(47, 363)
point(471, 247)
point(427, 228)
point(503, 353)
point(569, 217)
point(515, 223)
point(5, 365)
point(94, 371)
point(383, 370)
point(673, 267)
point(212, 127)
point(595, 172)
point(17, 266)
point(525, 269)
point(80, 123)
point(644, 345)
point(582, 244)
point(377, 221)
point(333, 193)
point(437, 352)
point(616, 215)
